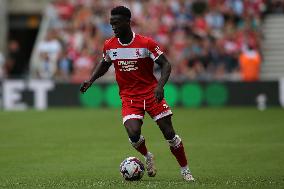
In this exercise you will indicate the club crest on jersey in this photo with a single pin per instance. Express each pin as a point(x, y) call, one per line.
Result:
point(138, 54)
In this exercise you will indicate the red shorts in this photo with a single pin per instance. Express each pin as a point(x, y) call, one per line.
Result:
point(135, 108)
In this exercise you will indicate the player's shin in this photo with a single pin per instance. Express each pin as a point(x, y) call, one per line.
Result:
point(138, 142)
point(177, 150)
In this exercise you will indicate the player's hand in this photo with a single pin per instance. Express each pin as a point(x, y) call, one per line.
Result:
point(85, 85)
point(159, 93)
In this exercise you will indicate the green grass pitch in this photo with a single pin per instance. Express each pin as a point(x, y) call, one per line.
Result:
point(82, 148)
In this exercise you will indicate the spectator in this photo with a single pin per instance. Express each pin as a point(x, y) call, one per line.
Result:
point(46, 68)
point(231, 53)
point(48, 50)
point(215, 20)
point(250, 64)
point(15, 67)
point(65, 9)
point(83, 66)
point(64, 67)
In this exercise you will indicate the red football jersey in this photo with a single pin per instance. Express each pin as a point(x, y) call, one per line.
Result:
point(133, 64)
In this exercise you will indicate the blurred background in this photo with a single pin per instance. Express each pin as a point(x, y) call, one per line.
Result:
point(223, 52)
point(226, 91)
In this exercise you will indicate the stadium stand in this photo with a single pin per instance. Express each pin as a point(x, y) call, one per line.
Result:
point(273, 46)
point(203, 39)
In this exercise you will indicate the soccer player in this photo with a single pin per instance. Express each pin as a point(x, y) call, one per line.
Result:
point(133, 57)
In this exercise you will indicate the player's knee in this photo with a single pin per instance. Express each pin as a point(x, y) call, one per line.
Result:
point(133, 127)
point(169, 134)
point(133, 132)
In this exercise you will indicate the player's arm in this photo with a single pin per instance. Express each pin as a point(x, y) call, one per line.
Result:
point(166, 68)
point(99, 71)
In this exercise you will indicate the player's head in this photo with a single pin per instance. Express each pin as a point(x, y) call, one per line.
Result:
point(120, 20)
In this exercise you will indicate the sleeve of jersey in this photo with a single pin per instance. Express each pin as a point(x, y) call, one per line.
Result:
point(154, 50)
point(106, 56)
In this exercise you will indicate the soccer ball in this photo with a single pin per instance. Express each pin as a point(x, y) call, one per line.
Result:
point(132, 169)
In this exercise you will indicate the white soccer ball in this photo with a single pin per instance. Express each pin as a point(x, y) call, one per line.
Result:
point(132, 169)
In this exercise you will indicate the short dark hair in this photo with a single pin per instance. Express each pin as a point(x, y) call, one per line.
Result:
point(121, 10)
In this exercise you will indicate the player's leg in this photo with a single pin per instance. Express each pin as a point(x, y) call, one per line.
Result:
point(133, 128)
point(176, 145)
point(161, 113)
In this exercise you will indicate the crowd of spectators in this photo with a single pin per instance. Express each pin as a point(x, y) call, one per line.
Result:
point(204, 40)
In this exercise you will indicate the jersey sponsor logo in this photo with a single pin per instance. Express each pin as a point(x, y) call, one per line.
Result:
point(127, 66)
point(114, 54)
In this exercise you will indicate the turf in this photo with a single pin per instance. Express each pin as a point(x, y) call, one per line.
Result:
point(82, 148)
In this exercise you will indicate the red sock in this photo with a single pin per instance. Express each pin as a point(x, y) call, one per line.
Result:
point(140, 145)
point(142, 148)
point(178, 152)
